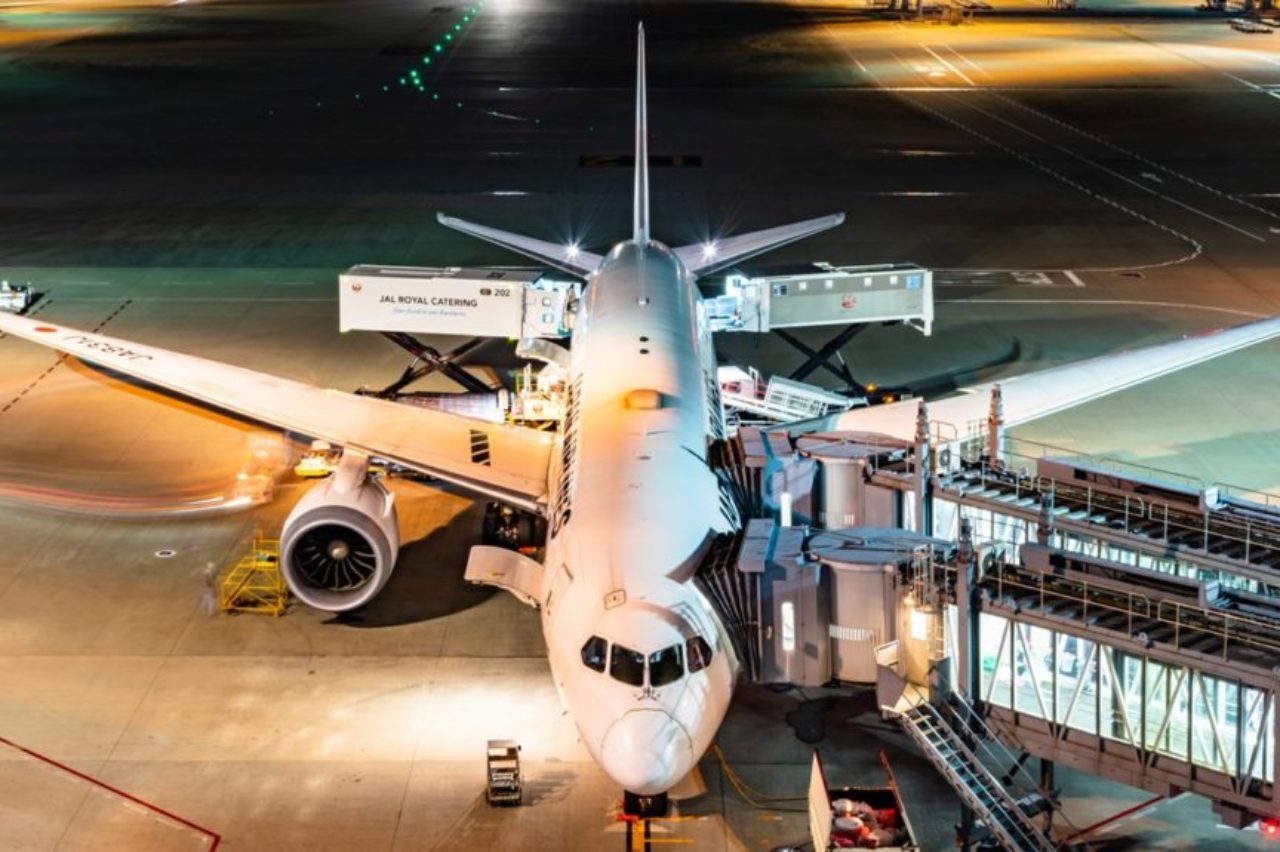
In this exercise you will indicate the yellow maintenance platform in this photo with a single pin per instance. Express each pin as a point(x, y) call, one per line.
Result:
point(254, 584)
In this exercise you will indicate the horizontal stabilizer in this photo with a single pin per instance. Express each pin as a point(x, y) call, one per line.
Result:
point(568, 258)
point(1046, 392)
point(704, 258)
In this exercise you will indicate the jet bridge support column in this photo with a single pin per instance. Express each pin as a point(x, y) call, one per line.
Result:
point(969, 606)
point(922, 485)
point(969, 677)
point(995, 429)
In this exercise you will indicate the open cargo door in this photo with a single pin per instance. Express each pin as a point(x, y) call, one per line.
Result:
point(819, 807)
point(879, 807)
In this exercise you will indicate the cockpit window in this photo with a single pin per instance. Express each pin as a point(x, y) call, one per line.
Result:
point(665, 666)
point(699, 653)
point(627, 666)
point(593, 653)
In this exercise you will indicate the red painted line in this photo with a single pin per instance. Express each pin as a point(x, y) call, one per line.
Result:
point(212, 835)
point(1113, 818)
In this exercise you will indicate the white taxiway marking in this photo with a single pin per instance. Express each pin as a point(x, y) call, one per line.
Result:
point(967, 61)
point(1070, 152)
point(86, 283)
point(1161, 195)
point(953, 69)
point(1135, 302)
point(1075, 279)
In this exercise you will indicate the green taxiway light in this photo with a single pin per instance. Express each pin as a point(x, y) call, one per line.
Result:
point(457, 28)
point(458, 104)
point(426, 60)
point(402, 81)
point(386, 88)
point(435, 96)
point(437, 48)
point(466, 18)
point(448, 36)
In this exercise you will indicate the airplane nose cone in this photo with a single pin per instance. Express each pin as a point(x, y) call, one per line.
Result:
point(647, 752)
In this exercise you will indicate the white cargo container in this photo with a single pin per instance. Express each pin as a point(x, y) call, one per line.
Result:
point(826, 295)
point(511, 303)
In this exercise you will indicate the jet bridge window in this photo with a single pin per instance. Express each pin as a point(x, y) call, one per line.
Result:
point(699, 654)
point(593, 653)
point(665, 666)
point(627, 666)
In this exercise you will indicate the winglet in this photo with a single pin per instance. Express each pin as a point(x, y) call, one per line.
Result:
point(640, 232)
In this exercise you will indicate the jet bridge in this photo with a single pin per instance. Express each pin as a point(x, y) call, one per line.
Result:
point(1111, 618)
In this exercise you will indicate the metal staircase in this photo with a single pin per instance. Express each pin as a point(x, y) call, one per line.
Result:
point(1009, 820)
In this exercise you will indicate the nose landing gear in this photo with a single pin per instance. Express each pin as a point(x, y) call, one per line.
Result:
point(645, 807)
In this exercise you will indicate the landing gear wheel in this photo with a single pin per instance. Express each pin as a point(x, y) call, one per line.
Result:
point(512, 528)
point(645, 807)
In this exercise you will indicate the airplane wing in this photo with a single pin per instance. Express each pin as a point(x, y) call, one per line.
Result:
point(1046, 392)
point(569, 258)
point(505, 462)
point(702, 259)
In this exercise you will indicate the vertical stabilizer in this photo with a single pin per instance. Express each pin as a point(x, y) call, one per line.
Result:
point(641, 215)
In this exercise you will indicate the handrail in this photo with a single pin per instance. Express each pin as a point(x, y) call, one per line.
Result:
point(987, 735)
point(1257, 536)
point(1028, 837)
point(1139, 607)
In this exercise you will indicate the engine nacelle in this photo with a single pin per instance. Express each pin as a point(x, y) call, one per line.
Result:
point(339, 544)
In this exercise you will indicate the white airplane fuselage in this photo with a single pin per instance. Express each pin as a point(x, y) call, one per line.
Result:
point(634, 509)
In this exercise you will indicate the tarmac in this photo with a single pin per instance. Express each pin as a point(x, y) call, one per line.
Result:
point(194, 176)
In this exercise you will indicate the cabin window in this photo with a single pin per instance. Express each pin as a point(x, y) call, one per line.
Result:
point(593, 653)
point(627, 666)
point(698, 653)
point(665, 666)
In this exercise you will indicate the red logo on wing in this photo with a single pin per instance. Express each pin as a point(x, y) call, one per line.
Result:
point(45, 328)
point(356, 286)
point(848, 301)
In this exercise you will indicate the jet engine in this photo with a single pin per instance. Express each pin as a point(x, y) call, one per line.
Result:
point(340, 542)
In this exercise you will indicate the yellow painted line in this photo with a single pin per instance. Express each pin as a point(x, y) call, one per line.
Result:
point(637, 836)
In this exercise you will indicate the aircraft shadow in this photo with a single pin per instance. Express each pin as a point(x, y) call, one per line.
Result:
point(428, 582)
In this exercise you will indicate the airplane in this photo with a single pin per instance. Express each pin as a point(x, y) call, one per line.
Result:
point(639, 656)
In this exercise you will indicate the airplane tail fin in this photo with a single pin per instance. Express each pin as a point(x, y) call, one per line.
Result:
point(640, 215)
point(703, 258)
point(568, 258)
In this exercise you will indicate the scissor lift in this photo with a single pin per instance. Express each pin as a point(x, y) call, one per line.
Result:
point(504, 773)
